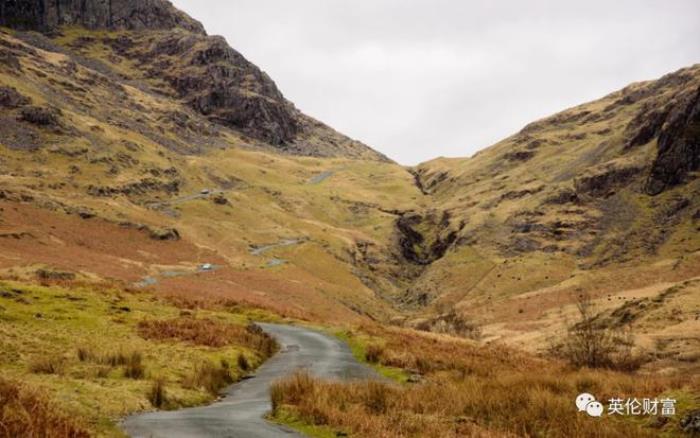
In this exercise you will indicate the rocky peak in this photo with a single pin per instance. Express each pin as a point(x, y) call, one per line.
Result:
point(45, 15)
point(200, 70)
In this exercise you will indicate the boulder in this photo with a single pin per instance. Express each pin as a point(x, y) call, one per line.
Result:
point(11, 98)
point(690, 423)
point(164, 234)
point(220, 200)
point(41, 116)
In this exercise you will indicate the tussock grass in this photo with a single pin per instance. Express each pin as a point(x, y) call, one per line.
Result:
point(373, 353)
point(87, 342)
point(134, 368)
point(157, 394)
point(29, 412)
point(210, 377)
point(207, 332)
point(85, 354)
point(115, 359)
point(47, 365)
point(470, 390)
point(243, 363)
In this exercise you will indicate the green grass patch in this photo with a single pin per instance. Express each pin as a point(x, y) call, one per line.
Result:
point(358, 345)
point(287, 417)
point(82, 345)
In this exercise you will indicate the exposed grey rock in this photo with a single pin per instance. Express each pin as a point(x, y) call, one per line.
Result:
point(565, 196)
point(164, 234)
point(414, 378)
point(46, 15)
point(41, 116)
point(414, 246)
point(645, 126)
point(604, 180)
point(679, 146)
point(519, 156)
point(11, 98)
point(220, 200)
point(218, 82)
point(690, 423)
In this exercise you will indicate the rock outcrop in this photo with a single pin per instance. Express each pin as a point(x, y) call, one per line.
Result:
point(45, 15)
point(424, 239)
point(11, 98)
point(603, 180)
point(679, 145)
point(218, 82)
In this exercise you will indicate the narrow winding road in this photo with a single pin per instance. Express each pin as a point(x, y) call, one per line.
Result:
point(240, 413)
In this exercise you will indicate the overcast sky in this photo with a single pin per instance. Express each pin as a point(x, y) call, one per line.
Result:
point(417, 79)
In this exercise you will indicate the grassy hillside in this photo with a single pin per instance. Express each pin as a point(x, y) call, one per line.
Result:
point(100, 353)
point(157, 192)
point(467, 390)
point(565, 207)
point(142, 162)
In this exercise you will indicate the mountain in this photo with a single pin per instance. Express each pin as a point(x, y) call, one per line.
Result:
point(168, 53)
point(158, 192)
point(602, 199)
point(136, 148)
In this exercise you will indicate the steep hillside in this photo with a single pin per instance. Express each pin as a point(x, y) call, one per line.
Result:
point(164, 51)
point(602, 198)
point(136, 148)
point(171, 138)
point(157, 192)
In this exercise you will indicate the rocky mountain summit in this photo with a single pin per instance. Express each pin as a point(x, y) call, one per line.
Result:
point(172, 50)
point(43, 15)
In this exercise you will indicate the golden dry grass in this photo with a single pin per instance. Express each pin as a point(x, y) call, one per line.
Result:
point(88, 355)
point(28, 412)
point(467, 390)
point(206, 332)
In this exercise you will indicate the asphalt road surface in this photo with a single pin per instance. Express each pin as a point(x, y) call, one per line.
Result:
point(240, 413)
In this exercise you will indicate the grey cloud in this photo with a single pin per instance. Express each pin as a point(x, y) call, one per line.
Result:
point(417, 79)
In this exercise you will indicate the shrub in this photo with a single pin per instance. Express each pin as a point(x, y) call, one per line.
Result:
point(590, 344)
point(452, 323)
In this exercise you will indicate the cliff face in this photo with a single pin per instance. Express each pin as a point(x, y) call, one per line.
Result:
point(44, 15)
point(678, 145)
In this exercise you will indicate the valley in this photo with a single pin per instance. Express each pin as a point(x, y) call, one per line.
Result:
point(147, 165)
